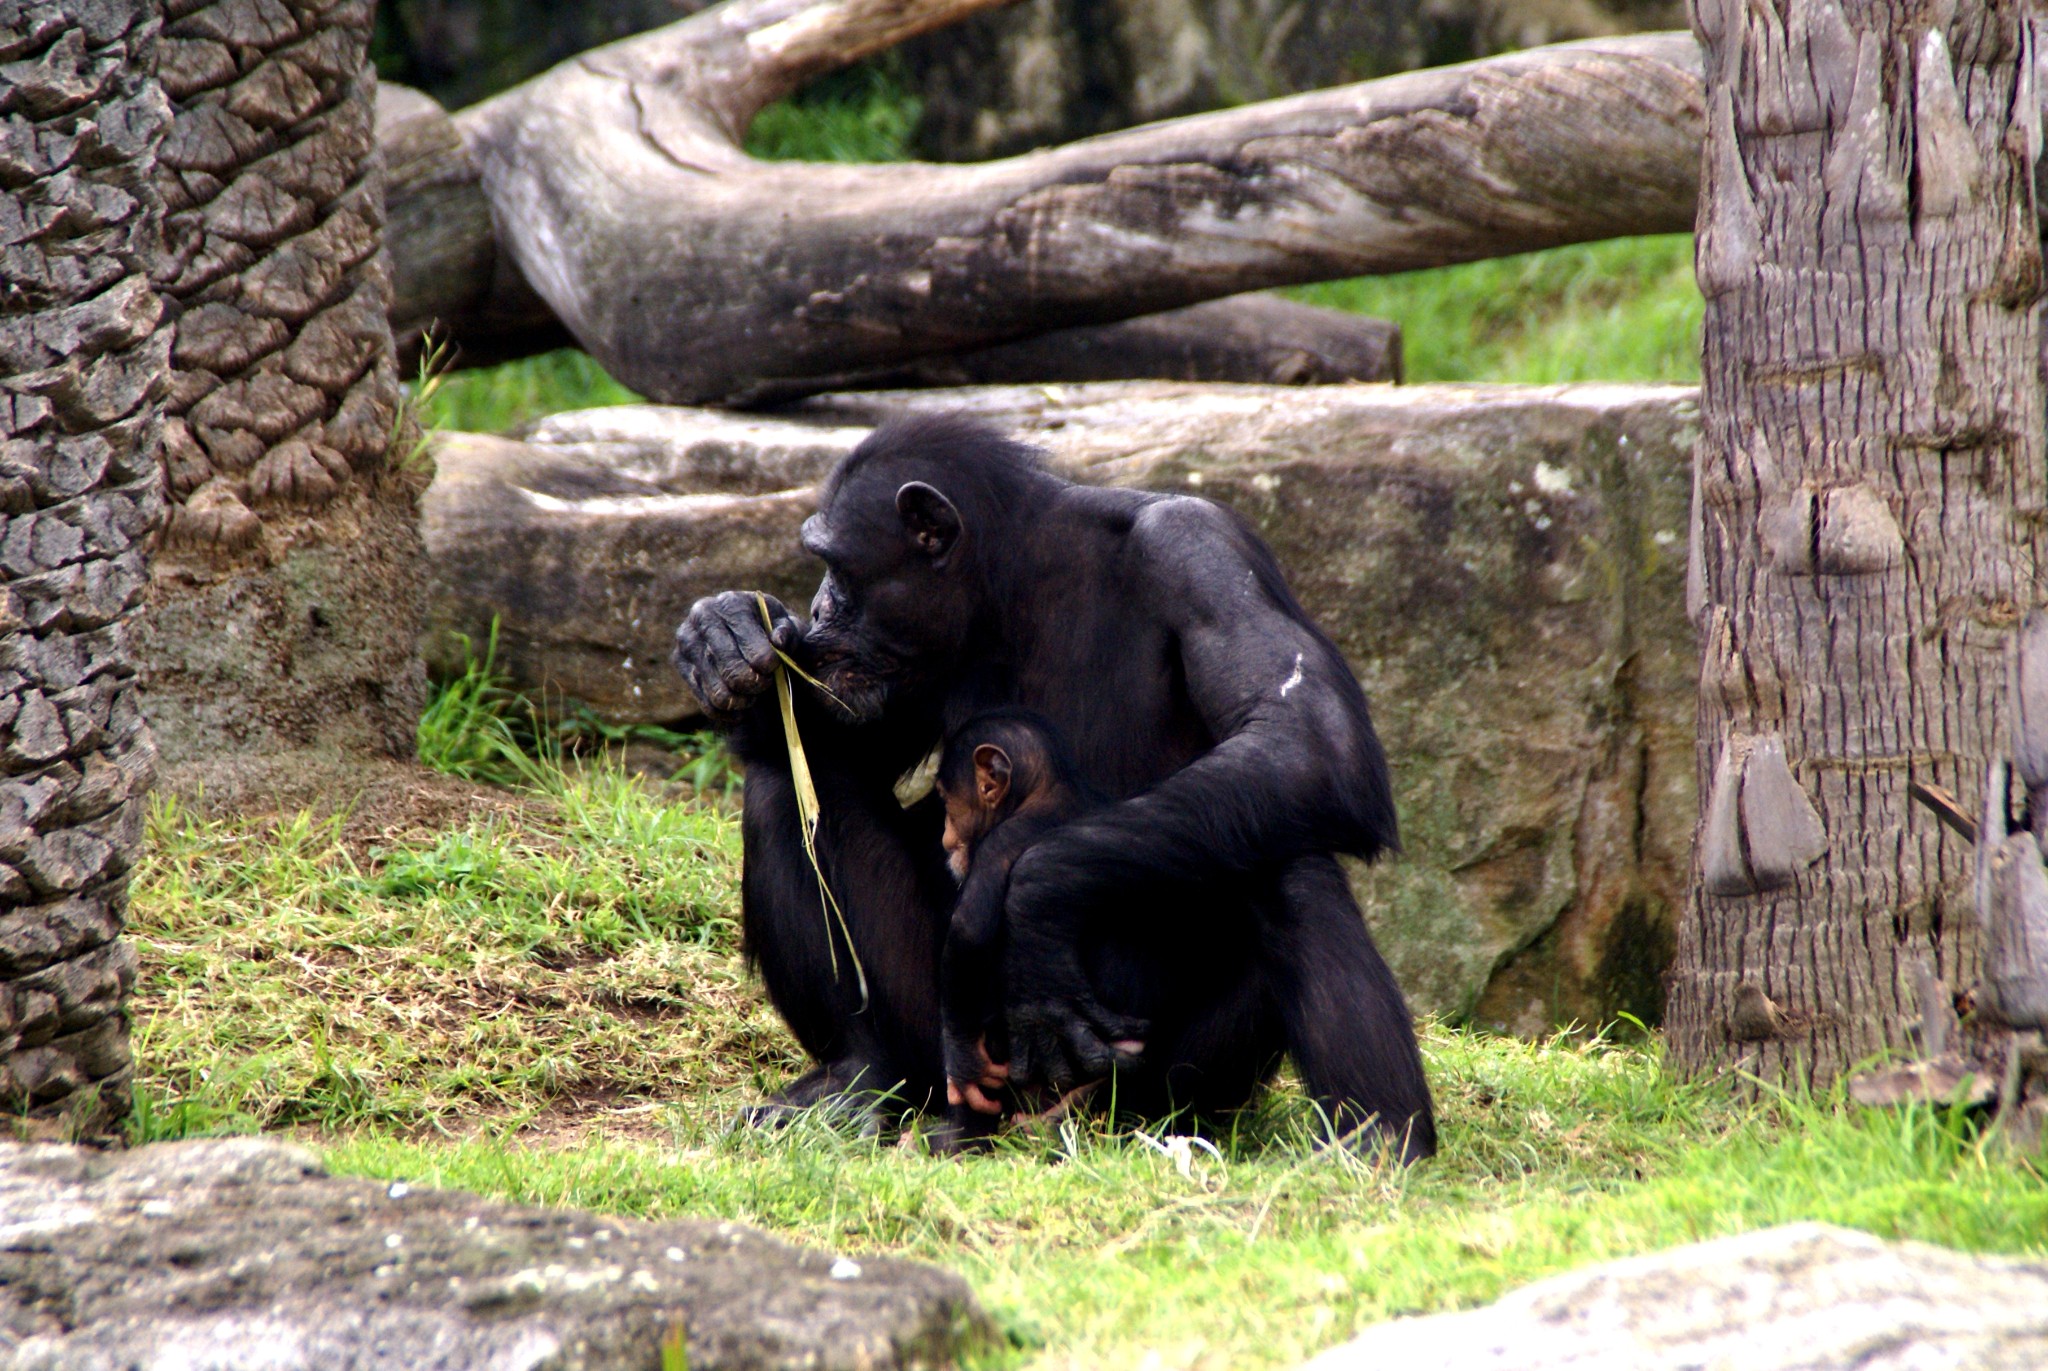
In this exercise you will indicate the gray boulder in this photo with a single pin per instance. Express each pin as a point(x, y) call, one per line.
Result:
point(1050, 71)
point(1503, 566)
point(241, 1252)
point(1805, 1297)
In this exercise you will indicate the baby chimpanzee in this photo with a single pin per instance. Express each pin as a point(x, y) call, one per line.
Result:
point(1006, 780)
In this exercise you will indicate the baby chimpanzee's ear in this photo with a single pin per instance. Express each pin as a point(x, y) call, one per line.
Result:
point(930, 519)
point(991, 774)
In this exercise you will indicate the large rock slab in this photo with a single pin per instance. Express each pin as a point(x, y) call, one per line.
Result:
point(1805, 1297)
point(242, 1253)
point(1503, 566)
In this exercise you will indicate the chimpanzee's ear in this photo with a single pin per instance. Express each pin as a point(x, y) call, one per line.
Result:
point(930, 519)
point(991, 775)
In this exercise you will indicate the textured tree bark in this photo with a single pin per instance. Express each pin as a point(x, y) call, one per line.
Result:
point(1869, 510)
point(621, 206)
point(283, 603)
point(83, 358)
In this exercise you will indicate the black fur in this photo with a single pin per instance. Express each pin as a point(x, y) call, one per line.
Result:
point(1159, 637)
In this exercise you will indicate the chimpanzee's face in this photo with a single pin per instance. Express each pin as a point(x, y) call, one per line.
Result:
point(894, 608)
point(967, 822)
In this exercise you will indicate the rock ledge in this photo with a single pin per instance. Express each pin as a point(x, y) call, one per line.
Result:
point(1804, 1297)
point(244, 1252)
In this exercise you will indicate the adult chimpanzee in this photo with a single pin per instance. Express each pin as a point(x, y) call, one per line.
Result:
point(1201, 913)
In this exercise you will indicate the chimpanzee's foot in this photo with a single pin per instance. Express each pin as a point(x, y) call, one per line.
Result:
point(1066, 1104)
point(960, 1131)
point(849, 1092)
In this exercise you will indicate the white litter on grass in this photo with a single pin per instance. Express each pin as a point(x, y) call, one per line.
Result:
point(1179, 1149)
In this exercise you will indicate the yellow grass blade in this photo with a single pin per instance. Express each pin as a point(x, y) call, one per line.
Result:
point(808, 811)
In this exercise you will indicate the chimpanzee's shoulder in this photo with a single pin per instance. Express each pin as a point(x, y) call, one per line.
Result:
point(1183, 547)
point(1189, 537)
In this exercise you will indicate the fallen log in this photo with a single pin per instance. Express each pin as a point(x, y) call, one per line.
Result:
point(450, 279)
point(610, 198)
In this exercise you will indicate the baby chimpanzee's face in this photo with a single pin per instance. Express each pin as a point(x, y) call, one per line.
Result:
point(964, 824)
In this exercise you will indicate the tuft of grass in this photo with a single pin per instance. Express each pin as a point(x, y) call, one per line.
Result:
point(511, 395)
point(582, 957)
point(1626, 310)
point(475, 726)
point(862, 114)
point(478, 728)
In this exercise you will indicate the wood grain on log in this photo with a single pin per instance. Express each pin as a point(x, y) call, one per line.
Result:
point(1255, 339)
point(619, 197)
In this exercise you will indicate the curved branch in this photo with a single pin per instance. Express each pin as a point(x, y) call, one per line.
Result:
point(623, 209)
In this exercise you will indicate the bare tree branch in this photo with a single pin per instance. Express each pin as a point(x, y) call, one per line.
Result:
point(623, 207)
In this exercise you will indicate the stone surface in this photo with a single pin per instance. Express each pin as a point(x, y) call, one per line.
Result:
point(1805, 1297)
point(1049, 71)
point(242, 1252)
point(1042, 71)
point(1503, 567)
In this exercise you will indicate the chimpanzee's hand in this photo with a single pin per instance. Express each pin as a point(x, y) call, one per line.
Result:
point(1063, 1034)
point(727, 654)
point(970, 1076)
point(1059, 1032)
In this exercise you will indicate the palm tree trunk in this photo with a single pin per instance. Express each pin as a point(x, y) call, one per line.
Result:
point(83, 357)
point(284, 606)
point(1869, 510)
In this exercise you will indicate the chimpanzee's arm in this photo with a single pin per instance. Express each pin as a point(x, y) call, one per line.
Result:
point(1296, 769)
point(971, 995)
point(883, 862)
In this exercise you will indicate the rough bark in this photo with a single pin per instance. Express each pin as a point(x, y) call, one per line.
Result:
point(621, 202)
point(83, 358)
point(1868, 513)
point(1252, 339)
point(448, 277)
point(281, 602)
point(1041, 71)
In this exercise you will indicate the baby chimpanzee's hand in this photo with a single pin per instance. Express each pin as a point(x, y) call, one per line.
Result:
point(970, 1075)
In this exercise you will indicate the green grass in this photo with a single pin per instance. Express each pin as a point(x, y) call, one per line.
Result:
point(544, 1000)
point(579, 948)
point(1094, 1249)
point(862, 114)
point(1626, 310)
point(504, 398)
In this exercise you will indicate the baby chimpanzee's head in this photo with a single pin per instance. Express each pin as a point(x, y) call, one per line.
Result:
point(994, 765)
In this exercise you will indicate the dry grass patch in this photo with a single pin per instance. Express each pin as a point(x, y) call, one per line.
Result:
point(573, 954)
